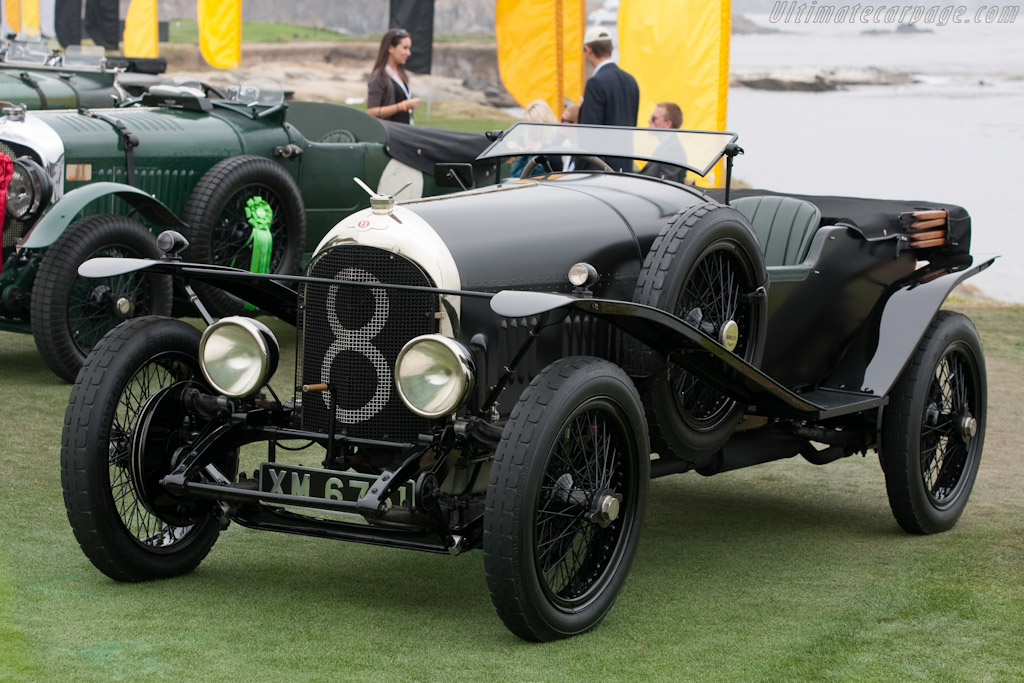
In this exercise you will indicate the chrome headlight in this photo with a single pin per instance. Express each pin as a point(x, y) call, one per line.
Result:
point(434, 375)
point(29, 191)
point(238, 355)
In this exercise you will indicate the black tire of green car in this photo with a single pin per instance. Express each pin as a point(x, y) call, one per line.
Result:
point(111, 522)
point(69, 314)
point(219, 232)
point(565, 499)
point(704, 267)
point(933, 429)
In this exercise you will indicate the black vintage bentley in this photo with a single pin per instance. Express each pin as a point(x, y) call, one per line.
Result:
point(494, 368)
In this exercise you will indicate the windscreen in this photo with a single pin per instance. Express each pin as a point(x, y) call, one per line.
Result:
point(696, 150)
point(27, 51)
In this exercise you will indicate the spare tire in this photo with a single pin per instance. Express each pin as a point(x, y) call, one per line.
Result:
point(221, 231)
point(706, 268)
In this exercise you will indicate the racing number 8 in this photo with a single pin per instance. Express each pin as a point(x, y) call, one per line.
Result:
point(361, 342)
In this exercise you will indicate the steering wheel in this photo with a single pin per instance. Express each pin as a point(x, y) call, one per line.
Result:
point(590, 159)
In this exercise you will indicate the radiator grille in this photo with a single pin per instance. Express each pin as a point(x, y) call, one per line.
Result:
point(351, 337)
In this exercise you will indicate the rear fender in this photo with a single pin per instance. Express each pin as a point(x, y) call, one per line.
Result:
point(886, 341)
point(63, 212)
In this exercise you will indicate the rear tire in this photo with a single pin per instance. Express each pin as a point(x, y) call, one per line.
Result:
point(576, 440)
point(705, 268)
point(112, 524)
point(219, 231)
point(934, 427)
point(70, 313)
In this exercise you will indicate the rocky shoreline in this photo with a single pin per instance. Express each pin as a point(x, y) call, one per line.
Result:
point(463, 72)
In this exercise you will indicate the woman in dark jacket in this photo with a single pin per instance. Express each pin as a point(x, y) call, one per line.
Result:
point(389, 96)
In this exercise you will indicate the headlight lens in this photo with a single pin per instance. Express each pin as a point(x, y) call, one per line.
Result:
point(238, 355)
point(434, 375)
point(29, 190)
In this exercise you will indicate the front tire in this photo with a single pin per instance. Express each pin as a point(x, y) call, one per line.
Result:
point(220, 230)
point(934, 427)
point(111, 522)
point(566, 499)
point(70, 313)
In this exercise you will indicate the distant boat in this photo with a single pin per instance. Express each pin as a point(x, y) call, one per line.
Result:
point(912, 28)
point(906, 29)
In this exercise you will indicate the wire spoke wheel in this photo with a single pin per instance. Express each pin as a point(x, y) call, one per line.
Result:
point(591, 462)
point(712, 301)
point(69, 313)
point(232, 236)
point(706, 268)
point(142, 525)
point(245, 212)
point(118, 529)
point(97, 305)
point(933, 429)
point(565, 499)
point(948, 414)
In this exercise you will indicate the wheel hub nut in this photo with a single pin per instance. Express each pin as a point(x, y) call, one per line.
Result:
point(729, 335)
point(607, 509)
point(968, 427)
point(123, 307)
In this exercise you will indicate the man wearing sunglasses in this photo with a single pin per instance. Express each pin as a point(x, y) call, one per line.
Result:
point(666, 115)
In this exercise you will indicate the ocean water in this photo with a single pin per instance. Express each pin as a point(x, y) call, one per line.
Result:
point(956, 135)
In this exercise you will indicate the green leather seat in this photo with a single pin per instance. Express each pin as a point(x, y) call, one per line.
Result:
point(784, 226)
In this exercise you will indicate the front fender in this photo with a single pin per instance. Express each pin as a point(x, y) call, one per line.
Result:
point(61, 213)
point(667, 334)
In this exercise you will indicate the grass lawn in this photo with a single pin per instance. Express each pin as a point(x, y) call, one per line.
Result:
point(187, 31)
point(784, 571)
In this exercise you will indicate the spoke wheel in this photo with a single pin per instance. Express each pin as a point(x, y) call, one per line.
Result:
point(712, 301)
point(222, 211)
point(705, 267)
point(934, 427)
point(566, 499)
point(111, 520)
point(70, 313)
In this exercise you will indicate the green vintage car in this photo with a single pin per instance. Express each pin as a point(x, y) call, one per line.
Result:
point(40, 78)
point(252, 181)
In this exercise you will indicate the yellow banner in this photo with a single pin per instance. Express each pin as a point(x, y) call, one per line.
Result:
point(140, 30)
point(12, 13)
point(220, 32)
point(30, 17)
point(540, 50)
point(678, 51)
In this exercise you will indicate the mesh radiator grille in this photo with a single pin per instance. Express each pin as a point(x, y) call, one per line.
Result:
point(351, 337)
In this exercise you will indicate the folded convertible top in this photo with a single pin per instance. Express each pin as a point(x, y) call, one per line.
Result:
point(874, 218)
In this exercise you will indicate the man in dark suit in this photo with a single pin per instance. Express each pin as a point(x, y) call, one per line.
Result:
point(612, 96)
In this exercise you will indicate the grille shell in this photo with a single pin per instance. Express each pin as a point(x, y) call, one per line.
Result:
point(351, 336)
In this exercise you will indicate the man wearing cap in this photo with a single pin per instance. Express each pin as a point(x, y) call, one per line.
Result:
point(612, 96)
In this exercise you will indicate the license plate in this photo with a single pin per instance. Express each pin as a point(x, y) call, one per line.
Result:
point(310, 482)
